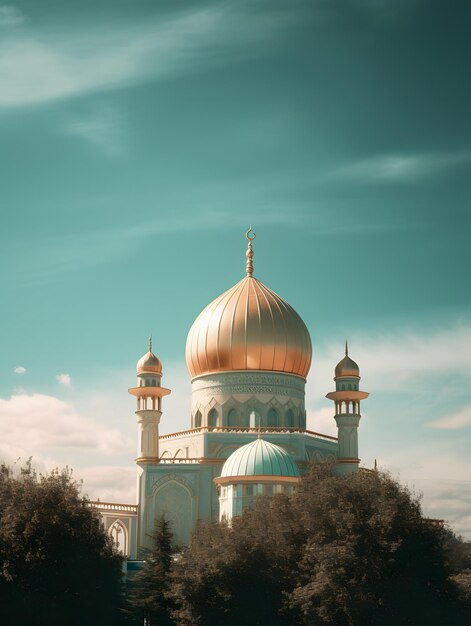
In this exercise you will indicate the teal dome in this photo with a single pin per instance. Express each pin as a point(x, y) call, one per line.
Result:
point(260, 458)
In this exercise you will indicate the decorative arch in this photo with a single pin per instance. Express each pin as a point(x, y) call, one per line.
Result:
point(172, 498)
point(273, 418)
point(289, 418)
point(119, 533)
point(232, 418)
point(198, 419)
point(166, 455)
point(213, 418)
point(179, 454)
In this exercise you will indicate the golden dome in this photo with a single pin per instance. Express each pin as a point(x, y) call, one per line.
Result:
point(249, 327)
point(149, 362)
point(347, 366)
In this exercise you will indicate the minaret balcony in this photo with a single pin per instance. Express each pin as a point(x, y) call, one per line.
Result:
point(350, 394)
point(149, 392)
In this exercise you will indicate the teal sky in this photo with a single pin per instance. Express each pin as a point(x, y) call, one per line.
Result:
point(139, 139)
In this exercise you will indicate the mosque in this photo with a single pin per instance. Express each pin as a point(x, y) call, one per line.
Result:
point(248, 354)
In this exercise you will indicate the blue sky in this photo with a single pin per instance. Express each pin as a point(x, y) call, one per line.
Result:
point(138, 140)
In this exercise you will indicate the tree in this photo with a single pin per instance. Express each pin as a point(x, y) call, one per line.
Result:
point(370, 556)
point(58, 564)
point(149, 599)
point(350, 551)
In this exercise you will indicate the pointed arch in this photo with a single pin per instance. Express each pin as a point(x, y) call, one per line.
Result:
point(273, 418)
point(119, 533)
point(232, 418)
point(213, 418)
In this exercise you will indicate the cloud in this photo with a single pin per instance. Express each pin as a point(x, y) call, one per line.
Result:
point(19, 369)
point(36, 68)
point(58, 256)
point(64, 379)
point(400, 168)
point(438, 472)
point(103, 128)
point(454, 421)
point(404, 361)
point(10, 16)
point(322, 421)
point(40, 425)
point(110, 483)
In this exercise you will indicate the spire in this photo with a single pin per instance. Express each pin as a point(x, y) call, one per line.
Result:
point(249, 253)
point(150, 343)
point(346, 347)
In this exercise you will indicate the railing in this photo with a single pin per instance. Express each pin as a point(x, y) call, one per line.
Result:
point(113, 506)
point(249, 429)
point(182, 459)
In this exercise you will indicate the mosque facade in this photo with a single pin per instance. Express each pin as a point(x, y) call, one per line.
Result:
point(248, 355)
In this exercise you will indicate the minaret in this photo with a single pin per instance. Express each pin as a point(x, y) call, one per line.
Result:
point(346, 398)
point(149, 396)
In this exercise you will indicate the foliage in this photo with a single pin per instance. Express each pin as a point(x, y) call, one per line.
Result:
point(342, 551)
point(58, 565)
point(148, 590)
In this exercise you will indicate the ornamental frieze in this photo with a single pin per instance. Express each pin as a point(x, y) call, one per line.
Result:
point(250, 379)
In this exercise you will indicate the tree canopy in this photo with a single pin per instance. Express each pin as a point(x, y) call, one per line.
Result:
point(342, 551)
point(58, 564)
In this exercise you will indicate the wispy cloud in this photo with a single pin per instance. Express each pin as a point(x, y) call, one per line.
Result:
point(400, 167)
point(454, 421)
point(10, 15)
point(405, 361)
point(102, 128)
point(41, 67)
point(19, 369)
point(56, 257)
point(64, 379)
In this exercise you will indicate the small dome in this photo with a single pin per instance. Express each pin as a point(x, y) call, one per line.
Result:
point(149, 363)
point(260, 458)
point(347, 366)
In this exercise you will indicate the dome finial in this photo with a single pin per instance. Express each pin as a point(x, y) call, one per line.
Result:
point(346, 347)
point(249, 253)
point(150, 343)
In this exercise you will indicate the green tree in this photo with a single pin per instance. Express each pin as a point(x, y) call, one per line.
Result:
point(149, 600)
point(58, 565)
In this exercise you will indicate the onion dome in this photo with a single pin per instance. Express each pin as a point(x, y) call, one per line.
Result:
point(260, 458)
point(149, 362)
point(249, 327)
point(347, 366)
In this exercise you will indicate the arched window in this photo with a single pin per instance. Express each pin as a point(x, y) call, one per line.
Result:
point(273, 419)
point(289, 418)
point(350, 387)
point(197, 419)
point(255, 419)
point(343, 387)
point(212, 418)
point(232, 418)
point(119, 534)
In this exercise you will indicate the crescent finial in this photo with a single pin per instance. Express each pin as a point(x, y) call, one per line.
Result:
point(247, 234)
point(249, 253)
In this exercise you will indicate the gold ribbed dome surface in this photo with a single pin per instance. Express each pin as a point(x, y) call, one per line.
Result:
point(347, 366)
point(149, 362)
point(249, 327)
